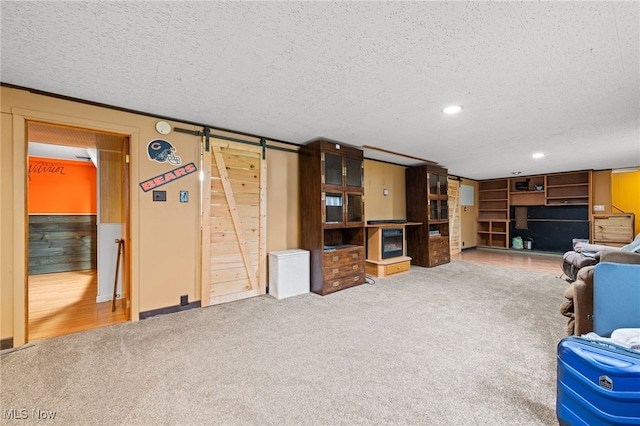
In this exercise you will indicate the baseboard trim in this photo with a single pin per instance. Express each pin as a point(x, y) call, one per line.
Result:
point(169, 310)
point(6, 343)
point(524, 252)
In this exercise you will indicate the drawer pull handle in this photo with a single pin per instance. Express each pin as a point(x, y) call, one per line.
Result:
point(335, 258)
point(355, 255)
point(355, 267)
point(335, 283)
point(355, 279)
point(335, 271)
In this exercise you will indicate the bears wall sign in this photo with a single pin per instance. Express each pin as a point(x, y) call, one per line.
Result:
point(167, 177)
point(162, 152)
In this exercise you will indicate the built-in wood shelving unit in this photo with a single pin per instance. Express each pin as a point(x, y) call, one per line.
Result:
point(493, 213)
point(496, 197)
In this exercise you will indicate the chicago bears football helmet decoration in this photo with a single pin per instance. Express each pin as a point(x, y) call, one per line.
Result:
point(162, 152)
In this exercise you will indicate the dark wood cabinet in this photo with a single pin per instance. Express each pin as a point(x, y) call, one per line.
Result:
point(427, 203)
point(332, 209)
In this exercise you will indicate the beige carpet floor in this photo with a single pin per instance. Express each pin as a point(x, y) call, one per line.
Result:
point(460, 344)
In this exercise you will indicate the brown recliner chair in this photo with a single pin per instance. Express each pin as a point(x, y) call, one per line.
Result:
point(586, 254)
point(579, 305)
point(583, 254)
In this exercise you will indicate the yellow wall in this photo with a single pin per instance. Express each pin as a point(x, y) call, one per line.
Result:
point(283, 206)
point(379, 176)
point(169, 232)
point(165, 236)
point(625, 194)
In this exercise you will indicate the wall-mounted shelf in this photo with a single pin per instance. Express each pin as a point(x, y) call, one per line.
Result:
point(568, 189)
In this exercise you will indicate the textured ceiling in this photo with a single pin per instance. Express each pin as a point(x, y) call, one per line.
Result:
point(558, 77)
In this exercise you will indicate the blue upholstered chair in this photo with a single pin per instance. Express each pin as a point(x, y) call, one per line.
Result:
point(616, 297)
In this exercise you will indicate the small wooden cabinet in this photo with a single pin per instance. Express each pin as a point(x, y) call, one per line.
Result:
point(332, 215)
point(613, 229)
point(427, 203)
point(377, 263)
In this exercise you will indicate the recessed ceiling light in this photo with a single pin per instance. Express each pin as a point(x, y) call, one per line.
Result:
point(538, 155)
point(515, 173)
point(452, 109)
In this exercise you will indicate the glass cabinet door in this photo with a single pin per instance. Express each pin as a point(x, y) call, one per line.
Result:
point(333, 208)
point(433, 183)
point(332, 169)
point(354, 172)
point(438, 210)
point(443, 184)
point(444, 210)
point(433, 210)
point(354, 208)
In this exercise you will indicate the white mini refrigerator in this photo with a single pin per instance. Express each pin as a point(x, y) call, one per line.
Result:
point(288, 273)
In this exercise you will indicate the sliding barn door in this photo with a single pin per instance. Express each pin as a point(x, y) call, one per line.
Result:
point(234, 223)
point(455, 225)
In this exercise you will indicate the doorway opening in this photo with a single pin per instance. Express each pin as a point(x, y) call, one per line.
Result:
point(78, 212)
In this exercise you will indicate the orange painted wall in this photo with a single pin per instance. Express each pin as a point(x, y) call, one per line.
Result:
point(625, 193)
point(61, 186)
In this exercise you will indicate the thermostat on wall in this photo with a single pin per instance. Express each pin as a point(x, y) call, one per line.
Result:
point(159, 195)
point(163, 127)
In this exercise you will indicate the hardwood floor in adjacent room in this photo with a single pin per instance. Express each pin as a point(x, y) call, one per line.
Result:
point(65, 302)
point(532, 261)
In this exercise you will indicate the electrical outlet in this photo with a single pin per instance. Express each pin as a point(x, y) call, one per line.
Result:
point(184, 300)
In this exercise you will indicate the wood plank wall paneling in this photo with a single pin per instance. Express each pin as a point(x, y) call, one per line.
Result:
point(111, 182)
point(60, 243)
